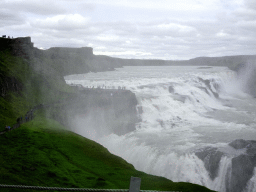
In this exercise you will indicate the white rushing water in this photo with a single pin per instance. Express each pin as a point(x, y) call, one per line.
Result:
point(185, 109)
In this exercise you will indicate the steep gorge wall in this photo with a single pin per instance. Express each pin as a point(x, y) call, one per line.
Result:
point(98, 112)
point(21, 46)
point(78, 60)
point(9, 84)
point(109, 111)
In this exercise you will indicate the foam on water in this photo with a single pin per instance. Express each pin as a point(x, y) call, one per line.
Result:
point(203, 107)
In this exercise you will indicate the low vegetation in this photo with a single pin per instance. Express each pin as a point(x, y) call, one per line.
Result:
point(43, 153)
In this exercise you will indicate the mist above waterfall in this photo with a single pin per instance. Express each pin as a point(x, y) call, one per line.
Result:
point(189, 115)
point(247, 77)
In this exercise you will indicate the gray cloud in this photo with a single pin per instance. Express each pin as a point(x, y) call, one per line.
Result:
point(45, 7)
point(137, 29)
point(62, 22)
point(250, 4)
point(8, 18)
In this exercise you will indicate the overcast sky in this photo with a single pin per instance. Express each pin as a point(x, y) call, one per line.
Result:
point(145, 29)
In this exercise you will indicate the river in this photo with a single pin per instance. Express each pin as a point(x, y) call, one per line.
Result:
point(189, 115)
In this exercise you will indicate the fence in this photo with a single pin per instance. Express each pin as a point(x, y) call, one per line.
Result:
point(134, 187)
point(60, 189)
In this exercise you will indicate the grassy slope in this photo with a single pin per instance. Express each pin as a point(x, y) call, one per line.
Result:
point(11, 67)
point(36, 87)
point(42, 152)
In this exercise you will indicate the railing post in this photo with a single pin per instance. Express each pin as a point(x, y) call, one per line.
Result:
point(135, 184)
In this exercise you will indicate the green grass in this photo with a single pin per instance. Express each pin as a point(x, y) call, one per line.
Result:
point(36, 87)
point(42, 153)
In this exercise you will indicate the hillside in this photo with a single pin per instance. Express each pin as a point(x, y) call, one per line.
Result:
point(43, 151)
point(23, 87)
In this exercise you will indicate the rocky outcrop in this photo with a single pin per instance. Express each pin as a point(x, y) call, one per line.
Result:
point(70, 61)
point(241, 144)
point(103, 111)
point(171, 89)
point(115, 110)
point(211, 158)
point(208, 87)
point(9, 84)
point(21, 46)
point(242, 165)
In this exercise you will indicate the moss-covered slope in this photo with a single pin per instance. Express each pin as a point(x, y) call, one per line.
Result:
point(22, 86)
point(41, 152)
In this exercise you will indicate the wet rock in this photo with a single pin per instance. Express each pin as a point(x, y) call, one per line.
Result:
point(239, 144)
point(204, 89)
point(103, 112)
point(171, 89)
point(140, 109)
point(242, 166)
point(211, 158)
point(208, 85)
point(8, 84)
point(181, 98)
point(241, 172)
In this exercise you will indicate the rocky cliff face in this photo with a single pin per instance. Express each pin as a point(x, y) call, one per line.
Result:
point(111, 110)
point(21, 46)
point(9, 84)
point(242, 166)
point(99, 112)
point(240, 170)
point(78, 60)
